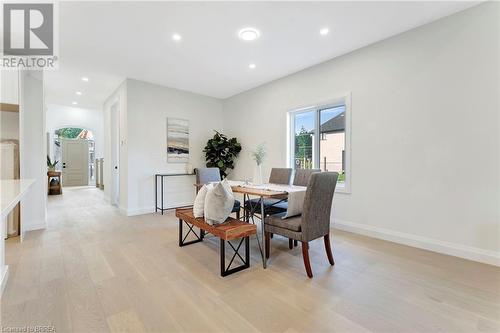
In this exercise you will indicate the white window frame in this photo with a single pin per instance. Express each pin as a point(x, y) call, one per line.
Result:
point(344, 99)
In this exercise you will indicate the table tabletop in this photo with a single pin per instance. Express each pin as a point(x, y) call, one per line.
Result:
point(264, 193)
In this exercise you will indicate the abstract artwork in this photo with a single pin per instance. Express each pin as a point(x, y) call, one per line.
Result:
point(177, 140)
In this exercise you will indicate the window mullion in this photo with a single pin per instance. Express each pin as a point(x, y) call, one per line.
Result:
point(317, 130)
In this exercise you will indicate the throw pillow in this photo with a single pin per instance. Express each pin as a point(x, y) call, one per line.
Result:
point(219, 202)
point(199, 201)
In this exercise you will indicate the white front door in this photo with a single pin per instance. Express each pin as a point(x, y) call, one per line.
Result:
point(75, 162)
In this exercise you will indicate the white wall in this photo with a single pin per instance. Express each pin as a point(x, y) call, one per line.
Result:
point(33, 163)
point(118, 97)
point(425, 133)
point(59, 116)
point(9, 86)
point(148, 107)
point(9, 93)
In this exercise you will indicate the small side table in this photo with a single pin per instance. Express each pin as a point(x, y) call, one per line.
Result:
point(55, 189)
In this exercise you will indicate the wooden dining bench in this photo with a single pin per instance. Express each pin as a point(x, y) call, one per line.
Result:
point(230, 230)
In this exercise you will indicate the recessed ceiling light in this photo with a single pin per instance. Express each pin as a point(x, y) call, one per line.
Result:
point(249, 34)
point(74, 103)
point(251, 66)
point(79, 93)
point(86, 79)
point(324, 31)
point(176, 37)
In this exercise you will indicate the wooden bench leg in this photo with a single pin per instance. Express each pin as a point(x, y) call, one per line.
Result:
point(225, 271)
point(182, 237)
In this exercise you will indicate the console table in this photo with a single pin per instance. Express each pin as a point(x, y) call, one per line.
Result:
point(162, 176)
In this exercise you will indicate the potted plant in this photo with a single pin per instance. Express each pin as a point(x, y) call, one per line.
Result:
point(220, 152)
point(258, 156)
point(51, 165)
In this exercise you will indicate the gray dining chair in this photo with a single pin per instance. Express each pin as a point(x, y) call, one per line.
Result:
point(278, 176)
point(210, 175)
point(301, 177)
point(314, 221)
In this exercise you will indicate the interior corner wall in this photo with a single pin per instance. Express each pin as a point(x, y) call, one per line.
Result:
point(425, 133)
point(32, 149)
point(118, 97)
point(148, 107)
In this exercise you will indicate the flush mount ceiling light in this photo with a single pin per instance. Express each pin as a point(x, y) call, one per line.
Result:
point(74, 103)
point(324, 31)
point(85, 79)
point(79, 93)
point(248, 34)
point(252, 66)
point(176, 37)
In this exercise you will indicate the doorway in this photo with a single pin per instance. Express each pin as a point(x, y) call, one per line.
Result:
point(75, 162)
point(74, 149)
point(115, 154)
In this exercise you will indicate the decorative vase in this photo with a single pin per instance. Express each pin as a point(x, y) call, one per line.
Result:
point(257, 177)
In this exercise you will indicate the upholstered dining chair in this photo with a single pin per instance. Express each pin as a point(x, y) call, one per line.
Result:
point(314, 221)
point(280, 176)
point(302, 176)
point(210, 175)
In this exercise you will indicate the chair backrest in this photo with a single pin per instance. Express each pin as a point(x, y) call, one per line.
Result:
point(302, 176)
point(318, 205)
point(280, 176)
point(207, 175)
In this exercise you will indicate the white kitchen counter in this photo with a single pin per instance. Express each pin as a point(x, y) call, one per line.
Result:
point(11, 192)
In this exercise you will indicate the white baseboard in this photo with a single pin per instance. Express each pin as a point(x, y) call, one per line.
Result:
point(4, 276)
point(37, 225)
point(453, 249)
point(140, 211)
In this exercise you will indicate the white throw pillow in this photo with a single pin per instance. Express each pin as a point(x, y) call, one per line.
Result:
point(227, 186)
point(199, 201)
point(219, 202)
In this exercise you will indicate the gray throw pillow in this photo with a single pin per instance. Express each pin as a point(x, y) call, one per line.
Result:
point(219, 202)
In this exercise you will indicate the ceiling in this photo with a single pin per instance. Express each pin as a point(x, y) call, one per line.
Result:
point(108, 41)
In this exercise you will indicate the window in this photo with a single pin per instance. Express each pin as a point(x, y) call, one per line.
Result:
point(319, 139)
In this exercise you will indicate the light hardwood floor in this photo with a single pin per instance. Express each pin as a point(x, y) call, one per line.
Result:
point(95, 270)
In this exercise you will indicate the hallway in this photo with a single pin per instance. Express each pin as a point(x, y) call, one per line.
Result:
point(94, 270)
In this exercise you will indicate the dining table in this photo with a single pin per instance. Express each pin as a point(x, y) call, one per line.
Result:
point(280, 192)
point(263, 192)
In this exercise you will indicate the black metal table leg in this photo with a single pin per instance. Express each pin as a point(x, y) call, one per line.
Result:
point(161, 180)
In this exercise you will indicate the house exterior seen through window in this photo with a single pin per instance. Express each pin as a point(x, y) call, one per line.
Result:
point(319, 139)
